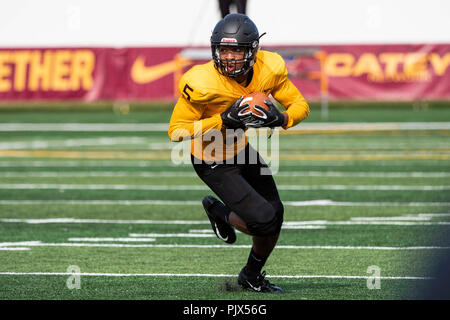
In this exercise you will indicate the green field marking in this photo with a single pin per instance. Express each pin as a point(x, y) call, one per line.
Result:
point(344, 111)
point(392, 165)
point(382, 196)
point(343, 232)
point(123, 178)
point(196, 212)
point(196, 187)
point(198, 288)
point(159, 260)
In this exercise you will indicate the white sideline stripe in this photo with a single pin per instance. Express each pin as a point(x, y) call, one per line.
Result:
point(113, 239)
point(163, 127)
point(123, 187)
point(303, 227)
point(103, 141)
point(201, 231)
point(193, 174)
point(403, 218)
point(92, 274)
point(72, 220)
point(414, 174)
point(361, 187)
point(53, 174)
point(88, 163)
point(355, 204)
point(19, 243)
point(434, 214)
point(286, 224)
point(202, 246)
point(100, 202)
point(136, 127)
point(168, 163)
point(373, 126)
point(324, 202)
point(100, 187)
point(172, 235)
point(13, 249)
point(389, 223)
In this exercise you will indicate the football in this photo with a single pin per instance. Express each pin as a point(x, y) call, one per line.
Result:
point(254, 99)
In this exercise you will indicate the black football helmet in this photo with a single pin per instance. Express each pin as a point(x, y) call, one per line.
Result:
point(235, 30)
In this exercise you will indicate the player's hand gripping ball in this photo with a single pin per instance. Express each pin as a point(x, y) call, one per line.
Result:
point(258, 111)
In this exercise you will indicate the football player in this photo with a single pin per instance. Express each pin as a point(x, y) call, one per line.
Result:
point(208, 110)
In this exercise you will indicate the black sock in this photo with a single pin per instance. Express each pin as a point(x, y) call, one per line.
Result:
point(255, 263)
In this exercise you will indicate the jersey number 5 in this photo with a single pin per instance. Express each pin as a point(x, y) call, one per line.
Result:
point(185, 91)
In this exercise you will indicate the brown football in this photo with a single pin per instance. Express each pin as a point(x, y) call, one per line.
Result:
point(254, 99)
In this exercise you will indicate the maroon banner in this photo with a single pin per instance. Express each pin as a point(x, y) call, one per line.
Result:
point(366, 72)
point(389, 72)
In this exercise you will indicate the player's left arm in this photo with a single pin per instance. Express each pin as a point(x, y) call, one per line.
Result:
point(297, 109)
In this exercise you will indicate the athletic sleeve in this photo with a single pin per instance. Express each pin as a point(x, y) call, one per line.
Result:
point(286, 93)
point(187, 123)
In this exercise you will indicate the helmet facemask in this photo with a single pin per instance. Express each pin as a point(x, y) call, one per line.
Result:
point(247, 62)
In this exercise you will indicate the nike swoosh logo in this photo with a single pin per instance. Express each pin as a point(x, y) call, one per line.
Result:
point(141, 74)
point(256, 258)
point(218, 233)
point(212, 167)
point(254, 288)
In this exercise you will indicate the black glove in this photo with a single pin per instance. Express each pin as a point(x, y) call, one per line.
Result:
point(230, 116)
point(271, 118)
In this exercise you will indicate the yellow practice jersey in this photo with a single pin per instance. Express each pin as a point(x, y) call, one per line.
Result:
point(205, 94)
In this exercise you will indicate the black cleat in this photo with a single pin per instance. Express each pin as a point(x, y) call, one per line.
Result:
point(223, 230)
point(257, 283)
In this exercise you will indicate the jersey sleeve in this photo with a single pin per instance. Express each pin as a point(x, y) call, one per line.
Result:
point(286, 93)
point(187, 123)
point(199, 86)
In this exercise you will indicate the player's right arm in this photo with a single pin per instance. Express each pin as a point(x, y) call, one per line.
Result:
point(187, 123)
point(199, 89)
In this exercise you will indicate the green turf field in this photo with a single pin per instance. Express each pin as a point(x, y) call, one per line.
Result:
point(105, 197)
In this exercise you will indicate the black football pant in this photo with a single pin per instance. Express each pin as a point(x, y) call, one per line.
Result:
point(245, 191)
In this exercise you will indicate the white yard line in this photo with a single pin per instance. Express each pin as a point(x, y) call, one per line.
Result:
point(303, 227)
point(401, 221)
point(102, 141)
point(54, 174)
point(72, 220)
point(172, 235)
point(402, 218)
point(92, 274)
point(431, 215)
point(112, 239)
point(124, 187)
point(360, 174)
point(386, 223)
point(144, 237)
point(363, 174)
point(324, 202)
point(201, 246)
point(93, 127)
point(163, 127)
point(19, 243)
point(87, 163)
point(363, 204)
point(168, 163)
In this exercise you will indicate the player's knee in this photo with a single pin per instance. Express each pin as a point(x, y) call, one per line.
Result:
point(271, 224)
point(279, 209)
